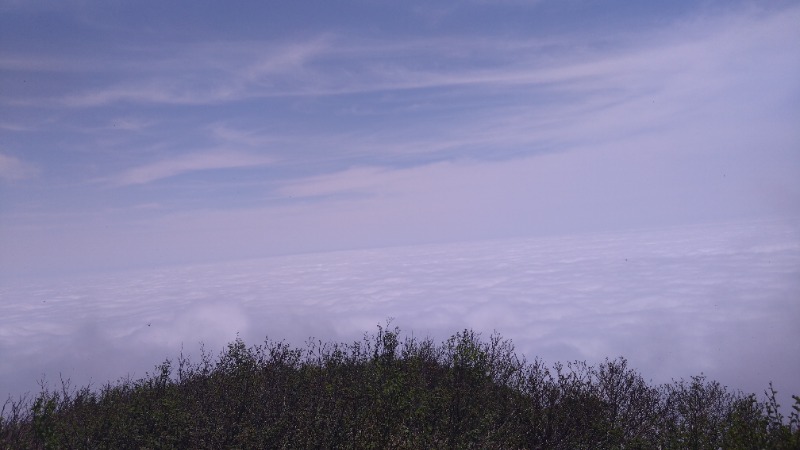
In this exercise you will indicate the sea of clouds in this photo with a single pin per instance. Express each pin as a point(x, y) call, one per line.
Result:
point(721, 299)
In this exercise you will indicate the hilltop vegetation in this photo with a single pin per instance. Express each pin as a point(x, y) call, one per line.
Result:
point(391, 392)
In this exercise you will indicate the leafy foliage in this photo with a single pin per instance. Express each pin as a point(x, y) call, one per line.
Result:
point(388, 392)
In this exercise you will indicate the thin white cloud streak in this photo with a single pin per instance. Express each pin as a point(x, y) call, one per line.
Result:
point(15, 169)
point(232, 136)
point(8, 126)
point(129, 124)
point(358, 180)
point(187, 163)
point(167, 74)
point(210, 74)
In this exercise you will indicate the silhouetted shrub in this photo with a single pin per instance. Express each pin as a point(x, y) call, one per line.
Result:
point(388, 392)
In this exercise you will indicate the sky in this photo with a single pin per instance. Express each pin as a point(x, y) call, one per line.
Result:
point(312, 168)
point(142, 134)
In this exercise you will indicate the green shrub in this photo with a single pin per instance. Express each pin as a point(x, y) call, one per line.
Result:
point(388, 392)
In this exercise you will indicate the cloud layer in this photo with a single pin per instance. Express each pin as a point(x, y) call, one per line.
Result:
point(718, 299)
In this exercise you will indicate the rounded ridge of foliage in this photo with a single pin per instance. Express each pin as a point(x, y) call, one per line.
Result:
point(386, 391)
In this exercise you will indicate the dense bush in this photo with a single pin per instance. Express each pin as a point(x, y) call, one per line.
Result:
point(384, 392)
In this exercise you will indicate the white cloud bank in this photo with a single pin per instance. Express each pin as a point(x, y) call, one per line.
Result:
point(718, 299)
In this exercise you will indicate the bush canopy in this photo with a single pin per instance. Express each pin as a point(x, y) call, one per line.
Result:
point(385, 391)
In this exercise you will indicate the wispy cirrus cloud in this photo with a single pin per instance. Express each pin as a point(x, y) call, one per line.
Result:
point(204, 74)
point(543, 92)
point(14, 169)
point(357, 180)
point(11, 126)
point(329, 64)
point(192, 162)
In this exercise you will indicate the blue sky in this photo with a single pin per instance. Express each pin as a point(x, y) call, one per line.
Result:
point(137, 134)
